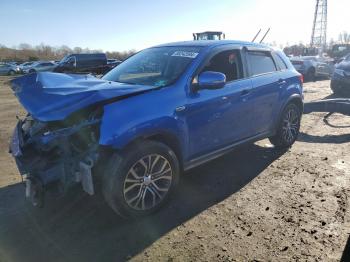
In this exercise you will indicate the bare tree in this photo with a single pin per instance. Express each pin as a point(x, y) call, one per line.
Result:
point(26, 52)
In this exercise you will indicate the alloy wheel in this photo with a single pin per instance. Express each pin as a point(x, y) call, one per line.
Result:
point(290, 125)
point(147, 182)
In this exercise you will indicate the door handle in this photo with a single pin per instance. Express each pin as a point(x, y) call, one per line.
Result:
point(180, 108)
point(245, 92)
point(282, 82)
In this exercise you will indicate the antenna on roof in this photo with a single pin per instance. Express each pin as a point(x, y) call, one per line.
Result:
point(268, 30)
point(256, 35)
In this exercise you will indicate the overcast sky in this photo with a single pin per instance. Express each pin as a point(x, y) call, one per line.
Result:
point(135, 24)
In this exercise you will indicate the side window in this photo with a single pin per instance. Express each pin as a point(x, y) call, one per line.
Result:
point(280, 63)
point(260, 63)
point(227, 62)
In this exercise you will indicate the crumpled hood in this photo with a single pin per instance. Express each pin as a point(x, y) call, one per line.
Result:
point(53, 96)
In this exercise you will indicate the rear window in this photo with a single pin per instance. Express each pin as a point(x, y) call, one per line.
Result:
point(260, 63)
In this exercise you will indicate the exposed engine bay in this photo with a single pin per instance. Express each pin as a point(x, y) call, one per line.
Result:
point(56, 155)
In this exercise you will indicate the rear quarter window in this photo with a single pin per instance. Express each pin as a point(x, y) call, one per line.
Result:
point(260, 63)
point(281, 64)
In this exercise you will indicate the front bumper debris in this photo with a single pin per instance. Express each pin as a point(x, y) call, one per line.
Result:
point(54, 160)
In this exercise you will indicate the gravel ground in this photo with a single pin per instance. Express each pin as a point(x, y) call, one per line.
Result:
point(254, 204)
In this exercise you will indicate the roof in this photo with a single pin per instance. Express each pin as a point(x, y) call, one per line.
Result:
point(210, 32)
point(212, 43)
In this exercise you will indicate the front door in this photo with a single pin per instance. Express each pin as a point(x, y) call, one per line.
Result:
point(218, 118)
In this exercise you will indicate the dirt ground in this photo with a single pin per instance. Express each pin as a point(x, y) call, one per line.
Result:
point(254, 204)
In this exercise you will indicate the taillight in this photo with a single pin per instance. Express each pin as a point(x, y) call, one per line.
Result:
point(301, 77)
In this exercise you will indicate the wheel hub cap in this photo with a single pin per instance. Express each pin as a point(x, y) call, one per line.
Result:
point(147, 180)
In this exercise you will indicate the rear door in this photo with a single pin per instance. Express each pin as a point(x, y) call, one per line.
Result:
point(266, 82)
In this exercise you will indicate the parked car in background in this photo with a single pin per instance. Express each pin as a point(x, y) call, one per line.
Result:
point(340, 82)
point(7, 69)
point(163, 111)
point(113, 61)
point(14, 63)
point(83, 63)
point(24, 66)
point(40, 66)
point(338, 51)
point(313, 67)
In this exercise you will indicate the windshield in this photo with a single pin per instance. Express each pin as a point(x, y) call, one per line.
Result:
point(159, 66)
point(65, 59)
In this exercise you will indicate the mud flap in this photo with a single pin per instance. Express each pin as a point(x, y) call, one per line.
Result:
point(85, 176)
point(35, 192)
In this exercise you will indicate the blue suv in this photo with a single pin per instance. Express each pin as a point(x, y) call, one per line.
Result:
point(163, 111)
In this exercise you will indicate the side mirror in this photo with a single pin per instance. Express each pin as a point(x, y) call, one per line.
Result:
point(211, 80)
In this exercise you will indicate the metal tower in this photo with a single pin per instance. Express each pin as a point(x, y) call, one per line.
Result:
point(319, 28)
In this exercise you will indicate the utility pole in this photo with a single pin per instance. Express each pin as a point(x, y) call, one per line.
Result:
point(319, 27)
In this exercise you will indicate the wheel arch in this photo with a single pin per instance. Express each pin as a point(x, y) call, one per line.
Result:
point(312, 69)
point(296, 99)
point(166, 138)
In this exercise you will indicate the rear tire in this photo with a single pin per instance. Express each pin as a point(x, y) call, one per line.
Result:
point(288, 128)
point(336, 89)
point(311, 75)
point(140, 180)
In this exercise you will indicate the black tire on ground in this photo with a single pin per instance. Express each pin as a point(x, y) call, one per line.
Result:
point(126, 188)
point(310, 75)
point(336, 89)
point(288, 127)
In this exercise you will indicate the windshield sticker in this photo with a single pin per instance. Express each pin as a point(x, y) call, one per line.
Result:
point(185, 54)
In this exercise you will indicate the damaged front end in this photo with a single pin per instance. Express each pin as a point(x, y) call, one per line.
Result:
point(53, 156)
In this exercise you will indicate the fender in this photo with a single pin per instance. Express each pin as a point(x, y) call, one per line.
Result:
point(144, 116)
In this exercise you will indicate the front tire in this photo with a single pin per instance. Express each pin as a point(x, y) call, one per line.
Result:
point(288, 128)
point(140, 180)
